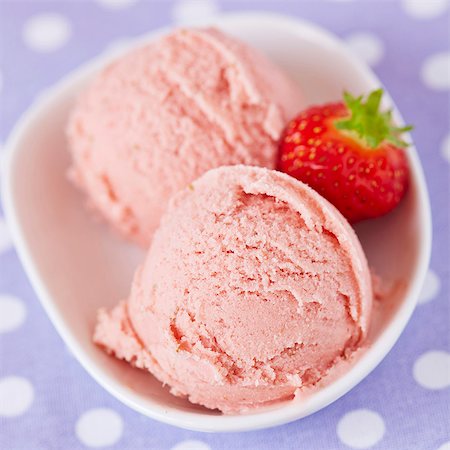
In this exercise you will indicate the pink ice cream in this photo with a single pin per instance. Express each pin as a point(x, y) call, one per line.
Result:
point(159, 117)
point(254, 288)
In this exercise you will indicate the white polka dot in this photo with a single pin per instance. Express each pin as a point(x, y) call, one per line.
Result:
point(191, 445)
point(432, 370)
point(445, 149)
point(367, 46)
point(12, 313)
point(425, 9)
point(445, 446)
point(436, 71)
point(5, 236)
point(16, 396)
point(194, 12)
point(116, 4)
point(430, 288)
point(46, 32)
point(361, 428)
point(99, 427)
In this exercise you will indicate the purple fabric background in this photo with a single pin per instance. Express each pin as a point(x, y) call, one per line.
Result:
point(415, 417)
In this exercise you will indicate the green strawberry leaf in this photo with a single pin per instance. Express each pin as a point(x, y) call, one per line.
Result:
point(369, 123)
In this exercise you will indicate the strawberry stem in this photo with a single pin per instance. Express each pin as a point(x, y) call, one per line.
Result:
point(369, 123)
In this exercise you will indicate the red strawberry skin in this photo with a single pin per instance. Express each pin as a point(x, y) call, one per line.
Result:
point(361, 182)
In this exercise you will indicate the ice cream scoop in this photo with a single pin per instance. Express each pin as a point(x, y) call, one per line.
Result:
point(160, 116)
point(254, 287)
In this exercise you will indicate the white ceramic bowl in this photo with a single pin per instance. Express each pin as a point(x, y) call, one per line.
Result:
point(76, 265)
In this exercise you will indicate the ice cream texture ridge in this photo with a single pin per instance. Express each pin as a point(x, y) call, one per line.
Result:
point(254, 288)
point(160, 116)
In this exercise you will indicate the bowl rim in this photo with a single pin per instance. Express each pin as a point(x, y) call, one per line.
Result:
point(259, 419)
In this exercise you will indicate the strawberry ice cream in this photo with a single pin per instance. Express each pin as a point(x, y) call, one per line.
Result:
point(254, 288)
point(162, 115)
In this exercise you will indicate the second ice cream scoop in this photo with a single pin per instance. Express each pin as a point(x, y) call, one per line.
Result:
point(162, 115)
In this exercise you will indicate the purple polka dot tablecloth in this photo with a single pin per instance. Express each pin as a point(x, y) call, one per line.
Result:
point(47, 401)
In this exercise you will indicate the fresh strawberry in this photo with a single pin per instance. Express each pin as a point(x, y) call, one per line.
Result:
point(349, 152)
